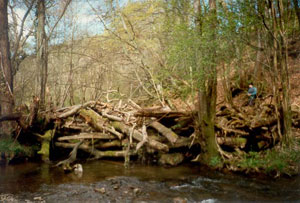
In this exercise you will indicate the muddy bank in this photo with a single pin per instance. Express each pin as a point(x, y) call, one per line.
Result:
point(107, 181)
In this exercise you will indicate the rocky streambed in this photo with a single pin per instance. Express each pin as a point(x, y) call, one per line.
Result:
point(107, 181)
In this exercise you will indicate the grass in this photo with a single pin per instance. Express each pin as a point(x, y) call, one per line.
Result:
point(278, 160)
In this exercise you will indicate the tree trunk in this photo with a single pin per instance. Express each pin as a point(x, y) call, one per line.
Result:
point(42, 54)
point(6, 77)
point(297, 10)
point(285, 83)
point(207, 95)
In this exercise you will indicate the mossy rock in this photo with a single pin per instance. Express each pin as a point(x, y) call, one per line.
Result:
point(171, 159)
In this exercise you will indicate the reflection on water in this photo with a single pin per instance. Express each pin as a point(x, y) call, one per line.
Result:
point(190, 182)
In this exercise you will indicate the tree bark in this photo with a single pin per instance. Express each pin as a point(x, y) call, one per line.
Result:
point(42, 52)
point(207, 95)
point(6, 77)
point(297, 10)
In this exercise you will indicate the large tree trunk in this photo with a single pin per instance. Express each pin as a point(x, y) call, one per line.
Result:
point(42, 54)
point(6, 77)
point(207, 95)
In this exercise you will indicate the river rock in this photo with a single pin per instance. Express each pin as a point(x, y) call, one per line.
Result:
point(179, 200)
point(101, 190)
point(136, 191)
point(171, 159)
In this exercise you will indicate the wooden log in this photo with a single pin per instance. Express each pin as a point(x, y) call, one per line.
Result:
point(87, 136)
point(113, 143)
point(182, 142)
point(72, 155)
point(168, 133)
point(111, 117)
point(261, 122)
point(97, 122)
point(236, 131)
point(160, 114)
point(232, 141)
point(101, 145)
point(228, 141)
point(138, 136)
point(97, 153)
point(74, 109)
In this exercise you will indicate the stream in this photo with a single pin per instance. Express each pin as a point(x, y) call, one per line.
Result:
point(108, 181)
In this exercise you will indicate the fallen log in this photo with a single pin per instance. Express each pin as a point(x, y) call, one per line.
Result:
point(96, 153)
point(87, 136)
point(162, 114)
point(97, 122)
point(224, 129)
point(74, 109)
point(111, 117)
point(232, 141)
point(262, 122)
point(169, 134)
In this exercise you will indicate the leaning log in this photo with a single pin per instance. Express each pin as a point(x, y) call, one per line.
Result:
point(168, 133)
point(72, 156)
point(97, 122)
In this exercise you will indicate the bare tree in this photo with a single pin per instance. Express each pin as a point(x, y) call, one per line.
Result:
point(6, 91)
point(42, 45)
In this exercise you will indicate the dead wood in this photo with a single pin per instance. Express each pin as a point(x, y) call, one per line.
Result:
point(72, 156)
point(111, 117)
point(161, 114)
point(139, 137)
point(168, 133)
point(101, 145)
point(261, 122)
point(229, 130)
point(182, 142)
point(74, 109)
point(101, 136)
point(97, 122)
point(232, 141)
point(96, 153)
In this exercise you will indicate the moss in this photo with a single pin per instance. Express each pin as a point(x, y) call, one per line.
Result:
point(45, 148)
point(13, 149)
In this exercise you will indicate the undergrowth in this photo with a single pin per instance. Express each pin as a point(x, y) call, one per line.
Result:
point(275, 161)
point(13, 149)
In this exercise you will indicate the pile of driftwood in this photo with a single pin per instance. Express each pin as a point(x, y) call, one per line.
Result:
point(156, 134)
point(159, 134)
point(126, 131)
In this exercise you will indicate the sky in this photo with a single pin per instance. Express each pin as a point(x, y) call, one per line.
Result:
point(86, 20)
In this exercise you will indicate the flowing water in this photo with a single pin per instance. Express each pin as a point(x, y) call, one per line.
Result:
point(106, 181)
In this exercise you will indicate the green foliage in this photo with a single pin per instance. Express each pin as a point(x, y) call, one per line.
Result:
point(282, 160)
point(216, 161)
point(10, 146)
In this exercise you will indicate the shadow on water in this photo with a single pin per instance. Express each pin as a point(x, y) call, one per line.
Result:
point(154, 183)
